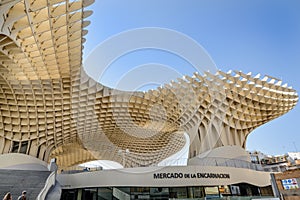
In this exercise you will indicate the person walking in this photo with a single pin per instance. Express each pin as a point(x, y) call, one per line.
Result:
point(23, 196)
point(7, 196)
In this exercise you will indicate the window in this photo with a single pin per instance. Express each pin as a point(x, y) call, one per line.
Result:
point(15, 147)
point(89, 194)
point(104, 193)
point(212, 192)
point(24, 146)
point(159, 193)
point(178, 192)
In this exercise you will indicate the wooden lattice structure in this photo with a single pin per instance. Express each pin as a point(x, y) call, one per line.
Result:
point(50, 108)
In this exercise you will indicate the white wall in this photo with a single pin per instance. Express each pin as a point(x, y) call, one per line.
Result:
point(21, 162)
point(145, 177)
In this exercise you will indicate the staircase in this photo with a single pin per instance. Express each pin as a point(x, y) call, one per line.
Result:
point(15, 181)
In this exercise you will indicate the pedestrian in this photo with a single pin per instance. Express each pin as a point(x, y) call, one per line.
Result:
point(23, 196)
point(7, 196)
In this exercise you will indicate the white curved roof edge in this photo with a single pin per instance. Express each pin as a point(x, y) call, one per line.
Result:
point(226, 152)
point(20, 161)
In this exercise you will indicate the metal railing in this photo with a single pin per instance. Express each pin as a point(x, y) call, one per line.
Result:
point(206, 161)
point(226, 162)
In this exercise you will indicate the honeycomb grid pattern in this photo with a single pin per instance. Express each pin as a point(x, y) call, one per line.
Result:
point(240, 103)
point(50, 108)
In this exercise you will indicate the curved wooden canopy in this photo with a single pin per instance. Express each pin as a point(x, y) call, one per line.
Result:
point(51, 108)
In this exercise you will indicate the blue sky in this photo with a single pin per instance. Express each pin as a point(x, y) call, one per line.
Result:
point(252, 36)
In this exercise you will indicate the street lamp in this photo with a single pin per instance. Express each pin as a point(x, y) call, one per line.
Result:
point(123, 153)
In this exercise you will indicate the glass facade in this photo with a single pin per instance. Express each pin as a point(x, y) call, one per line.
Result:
point(165, 193)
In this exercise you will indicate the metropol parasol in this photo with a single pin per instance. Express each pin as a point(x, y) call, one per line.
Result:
point(50, 107)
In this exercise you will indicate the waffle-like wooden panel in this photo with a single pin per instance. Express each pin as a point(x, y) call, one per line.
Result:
point(40, 50)
point(240, 103)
